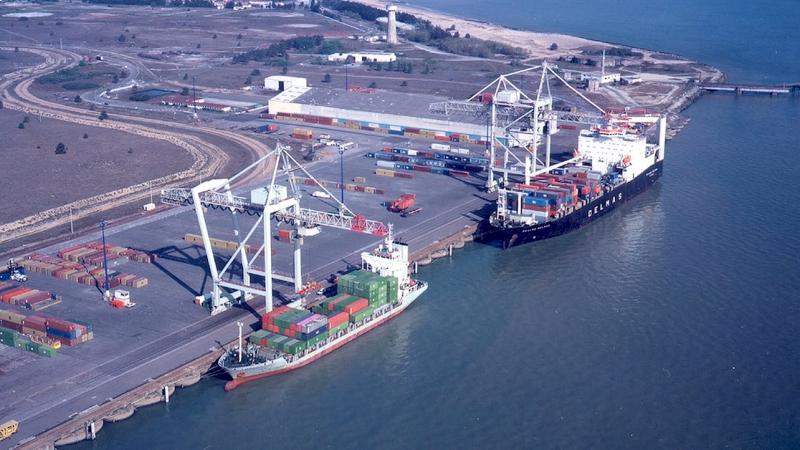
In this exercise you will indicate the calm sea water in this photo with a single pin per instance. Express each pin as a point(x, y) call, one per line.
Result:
point(670, 324)
point(751, 41)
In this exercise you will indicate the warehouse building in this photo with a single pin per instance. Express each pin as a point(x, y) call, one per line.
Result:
point(281, 83)
point(366, 111)
point(363, 57)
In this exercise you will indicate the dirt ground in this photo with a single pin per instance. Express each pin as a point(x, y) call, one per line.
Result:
point(11, 61)
point(34, 178)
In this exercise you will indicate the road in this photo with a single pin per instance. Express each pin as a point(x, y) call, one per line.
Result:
point(209, 158)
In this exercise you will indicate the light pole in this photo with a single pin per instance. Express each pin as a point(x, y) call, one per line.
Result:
point(341, 175)
point(105, 259)
point(240, 324)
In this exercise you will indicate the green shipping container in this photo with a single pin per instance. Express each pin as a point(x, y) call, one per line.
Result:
point(391, 289)
point(9, 337)
point(361, 315)
point(44, 350)
point(256, 337)
point(338, 328)
point(364, 284)
point(290, 317)
point(293, 346)
point(340, 306)
point(316, 339)
point(278, 342)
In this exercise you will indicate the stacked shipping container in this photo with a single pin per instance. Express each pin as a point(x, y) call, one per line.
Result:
point(14, 294)
point(335, 185)
point(44, 331)
point(292, 330)
point(548, 194)
point(92, 253)
point(78, 272)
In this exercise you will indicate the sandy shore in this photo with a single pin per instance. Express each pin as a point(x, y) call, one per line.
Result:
point(537, 44)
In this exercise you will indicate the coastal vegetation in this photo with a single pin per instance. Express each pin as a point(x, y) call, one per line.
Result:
point(170, 3)
point(280, 49)
point(425, 32)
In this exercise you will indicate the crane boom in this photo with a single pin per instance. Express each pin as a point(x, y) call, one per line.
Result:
point(304, 217)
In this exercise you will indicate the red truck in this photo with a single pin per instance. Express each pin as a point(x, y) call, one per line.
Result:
point(403, 202)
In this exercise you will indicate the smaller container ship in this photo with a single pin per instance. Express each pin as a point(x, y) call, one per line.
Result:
point(292, 337)
point(612, 164)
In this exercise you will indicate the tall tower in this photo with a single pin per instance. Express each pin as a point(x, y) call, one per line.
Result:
point(391, 34)
point(603, 63)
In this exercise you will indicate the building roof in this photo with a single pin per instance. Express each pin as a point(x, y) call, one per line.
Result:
point(386, 102)
point(284, 78)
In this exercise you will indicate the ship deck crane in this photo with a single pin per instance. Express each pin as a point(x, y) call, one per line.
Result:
point(278, 205)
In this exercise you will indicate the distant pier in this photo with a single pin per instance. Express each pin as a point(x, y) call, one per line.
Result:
point(791, 88)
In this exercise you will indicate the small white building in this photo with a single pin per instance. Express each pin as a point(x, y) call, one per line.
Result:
point(632, 79)
point(281, 82)
point(602, 78)
point(363, 57)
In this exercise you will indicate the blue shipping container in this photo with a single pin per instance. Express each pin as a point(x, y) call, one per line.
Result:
point(307, 336)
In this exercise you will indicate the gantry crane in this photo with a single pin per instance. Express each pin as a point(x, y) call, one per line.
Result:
point(273, 202)
point(514, 119)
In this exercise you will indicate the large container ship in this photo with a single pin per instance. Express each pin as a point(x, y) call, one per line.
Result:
point(292, 337)
point(613, 163)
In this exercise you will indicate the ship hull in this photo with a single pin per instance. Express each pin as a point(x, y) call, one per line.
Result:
point(241, 375)
point(514, 236)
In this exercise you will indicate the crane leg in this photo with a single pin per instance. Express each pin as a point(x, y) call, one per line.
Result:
point(267, 261)
point(298, 279)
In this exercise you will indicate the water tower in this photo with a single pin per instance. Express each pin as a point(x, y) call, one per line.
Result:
point(391, 34)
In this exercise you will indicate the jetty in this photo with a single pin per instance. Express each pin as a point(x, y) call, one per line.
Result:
point(789, 88)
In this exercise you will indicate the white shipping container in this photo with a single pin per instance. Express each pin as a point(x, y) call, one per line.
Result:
point(462, 151)
point(507, 96)
point(385, 164)
point(411, 152)
point(259, 196)
point(440, 147)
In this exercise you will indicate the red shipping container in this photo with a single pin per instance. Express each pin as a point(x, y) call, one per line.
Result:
point(61, 325)
point(337, 319)
point(336, 300)
point(11, 325)
point(36, 297)
point(8, 295)
point(356, 306)
point(35, 322)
